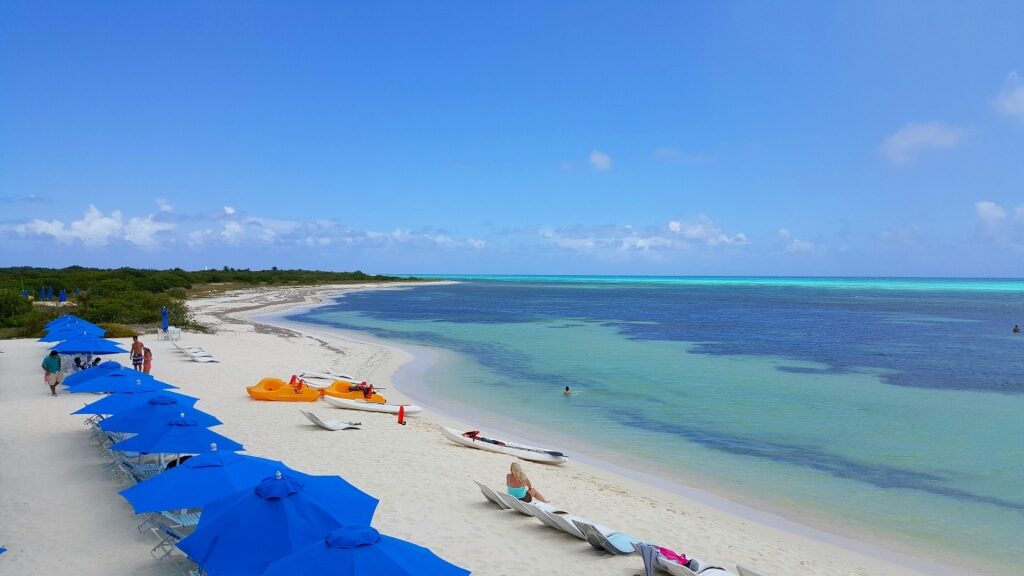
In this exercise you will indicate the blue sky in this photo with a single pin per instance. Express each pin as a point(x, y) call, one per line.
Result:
point(683, 138)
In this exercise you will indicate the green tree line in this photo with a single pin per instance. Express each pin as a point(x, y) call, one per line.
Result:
point(131, 295)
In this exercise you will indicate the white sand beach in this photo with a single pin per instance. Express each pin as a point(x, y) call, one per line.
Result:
point(60, 511)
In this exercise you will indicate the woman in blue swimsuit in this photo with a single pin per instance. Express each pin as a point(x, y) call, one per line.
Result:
point(519, 485)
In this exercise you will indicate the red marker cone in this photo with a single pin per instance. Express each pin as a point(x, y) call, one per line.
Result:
point(401, 414)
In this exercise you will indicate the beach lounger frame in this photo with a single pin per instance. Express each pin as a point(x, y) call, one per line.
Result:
point(611, 541)
point(332, 425)
point(492, 495)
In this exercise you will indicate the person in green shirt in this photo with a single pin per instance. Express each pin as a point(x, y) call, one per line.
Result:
point(51, 365)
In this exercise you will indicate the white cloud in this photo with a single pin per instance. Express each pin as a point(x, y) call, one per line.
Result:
point(655, 243)
point(703, 229)
point(1011, 99)
point(197, 238)
point(600, 161)
point(900, 236)
point(232, 232)
point(268, 235)
point(229, 210)
point(989, 212)
point(1020, 212)
point(793, 245)
point(990, 215)
point(94, 229)
point(902, 146)
point(797, 245)
point(164, 205)
point(576, 243)
point(142, 231)
point(676, 156)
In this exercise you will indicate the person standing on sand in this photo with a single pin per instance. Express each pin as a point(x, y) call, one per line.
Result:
point(147, 360)
point(138, 353)
point(51, 365)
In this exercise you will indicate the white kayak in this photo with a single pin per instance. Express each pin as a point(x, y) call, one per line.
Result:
point(473, 439)
point(410, 409)
point(323, 379)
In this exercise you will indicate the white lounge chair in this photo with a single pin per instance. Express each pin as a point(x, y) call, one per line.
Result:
point(331, 424)
point(196, 354)
point(743, 571)
point(566, 523)
point(491, 495)
point(603, 538)
point(514, 503)
point(554, 517)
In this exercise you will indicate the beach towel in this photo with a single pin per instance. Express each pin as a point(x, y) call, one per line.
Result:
point(680, 559)
point(650, 556)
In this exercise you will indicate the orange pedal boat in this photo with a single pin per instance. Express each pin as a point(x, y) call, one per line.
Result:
point(341, 389)
point(278, 390)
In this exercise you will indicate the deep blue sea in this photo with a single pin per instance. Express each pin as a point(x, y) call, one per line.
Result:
point(892, 409)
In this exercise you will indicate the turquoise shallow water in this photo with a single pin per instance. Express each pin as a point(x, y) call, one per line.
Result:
point(882, 425)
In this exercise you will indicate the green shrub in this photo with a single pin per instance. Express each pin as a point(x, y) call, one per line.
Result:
point(119, 330)
point(12, 307)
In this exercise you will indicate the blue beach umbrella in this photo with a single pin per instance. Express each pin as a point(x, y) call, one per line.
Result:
point(362, 551)
point(102, 369)
point(121, 381)
point(124, 401)
point(164, 322)
point(203, 479)
point(95, 346)
point(63, 320)
point(242, 534)
point(154, 413)
point(176, 436)
point(72, 331)
point(67, 321)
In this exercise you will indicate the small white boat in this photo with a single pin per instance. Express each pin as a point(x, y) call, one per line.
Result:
point(410, 409)
point(473, 439)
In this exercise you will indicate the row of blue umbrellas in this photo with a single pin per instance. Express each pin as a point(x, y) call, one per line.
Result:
point(77, 336)
point(317, 525)
point(46, 293)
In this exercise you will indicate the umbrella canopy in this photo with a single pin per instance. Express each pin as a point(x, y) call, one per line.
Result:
point(176, 436)
point(203, 479)
point(61, 320)
point(123, 401)
point(155, 412)
point(121, 381)
point(242, 534)
point(164, 321)
point(362, 551)
point(73, 331)
point(89, 373)
point(89, 345)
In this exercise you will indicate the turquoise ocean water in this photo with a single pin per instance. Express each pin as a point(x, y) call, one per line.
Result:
point(887, 409)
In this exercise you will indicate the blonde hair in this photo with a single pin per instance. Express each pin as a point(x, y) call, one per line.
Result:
point(518, 474)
